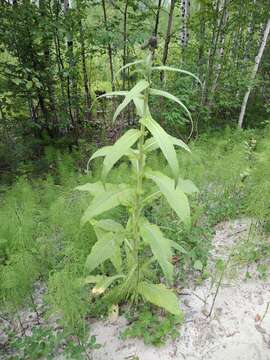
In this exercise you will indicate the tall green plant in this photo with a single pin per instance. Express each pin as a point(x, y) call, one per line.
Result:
point(127, 247)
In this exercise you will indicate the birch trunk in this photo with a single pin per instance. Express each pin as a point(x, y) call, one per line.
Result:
point(168, 38)
point(253, 74)
point(201, 40)
point(250, 35)
point(211, 56)
point(220, 56)
point(184, 36)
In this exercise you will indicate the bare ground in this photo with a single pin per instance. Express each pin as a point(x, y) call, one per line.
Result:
point(238, 328)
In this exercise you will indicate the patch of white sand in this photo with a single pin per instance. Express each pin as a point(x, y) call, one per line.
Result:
point(233, 332)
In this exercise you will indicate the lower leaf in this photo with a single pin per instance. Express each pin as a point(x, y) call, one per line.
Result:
point(101, 251)
point(161, 296)
point(103, 284)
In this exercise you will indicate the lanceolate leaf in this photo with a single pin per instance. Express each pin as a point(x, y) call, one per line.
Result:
point(151, 144)
point(180, 143)
point(161, 296)
point(101, 251)
point(93, 188)
point(116, 257)
point(128, 65)
point(92, 279)
point(168, 68)
point(106, 201)
point(101, 152)
point(170, 97)
point(174, 195)
point(160, 247)
point(164, 142)
point(133, 93)
point(139, 104)
point(187, 186)
point(119, 149)
point(108, 225)
point(113, 93)
point(103, 284)
point(176, 246)
point(102, 227)
point(109, 94)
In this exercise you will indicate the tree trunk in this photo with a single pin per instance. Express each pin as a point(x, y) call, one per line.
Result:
point(85, 75)
point(109, 45)
point(155, 32)
point(220, 56)
point(253, 74)
point(47, 65)
point(250, 31)
point(72, 85)
point(184, 36)
point(201, 56)
point(168, 37)
point(4, 124)
point(64, 105)
point(125, 36)
point(212, 52)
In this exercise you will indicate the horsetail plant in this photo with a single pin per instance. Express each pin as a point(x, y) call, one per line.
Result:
point(127, 246)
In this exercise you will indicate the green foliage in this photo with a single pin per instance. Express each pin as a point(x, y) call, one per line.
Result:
point(142, 228)
point(41, 343)
point(48, 53)
point(41, 238)
point(127, 245)
point(17, 279)
point(258, 184)
point(253, 250)
point(152, 328)
point(45, 343)
point(69, 300)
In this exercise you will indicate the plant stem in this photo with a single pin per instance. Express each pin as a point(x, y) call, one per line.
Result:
point(137, 209)
point(139, 189)
point(219, 283)
point(35, 308)
point(84, 348)
point(20, 322)
point(266, 310)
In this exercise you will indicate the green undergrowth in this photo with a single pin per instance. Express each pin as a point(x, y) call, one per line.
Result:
point(152, 327)
point(45, 343)
point(41, 237)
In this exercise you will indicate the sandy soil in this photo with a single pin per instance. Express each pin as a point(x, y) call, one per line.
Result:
point(234, 331)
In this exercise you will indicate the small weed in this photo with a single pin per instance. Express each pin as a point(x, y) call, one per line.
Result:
point(152, 328)
point(262, 270)
point(42, 343)
point(254, 250)
point(46, 343)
